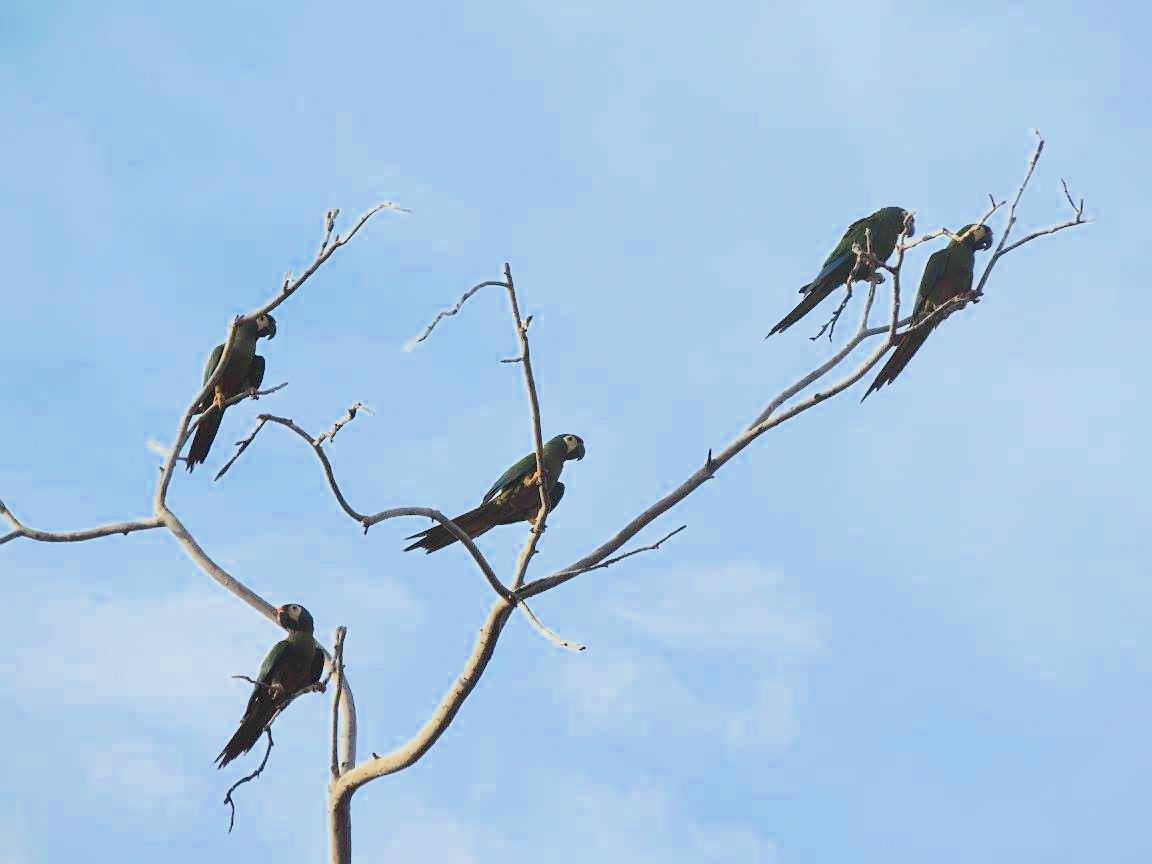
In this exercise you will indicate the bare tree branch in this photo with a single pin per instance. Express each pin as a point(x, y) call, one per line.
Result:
point(338, 674)
point(329, 245)
point(1002, 248)
point(543, 480)
point(409, 753)
point(440, 316)
point(650, 548)
point(548, 634)
point(247, 779)
point(330, 435)
point(367, 521)
point(21, 530)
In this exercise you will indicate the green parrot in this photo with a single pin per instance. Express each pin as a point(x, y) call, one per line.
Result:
point(947, 274)
point(515, 497)
point(885, 225)
point(292, 664)
point(245, 371)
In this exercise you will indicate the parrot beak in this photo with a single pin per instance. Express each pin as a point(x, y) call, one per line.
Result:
point(911, 227)
point(578, 453)
point(282, 616)
point(985, 241)
point(270, 330)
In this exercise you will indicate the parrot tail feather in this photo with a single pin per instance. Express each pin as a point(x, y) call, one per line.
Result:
point(906, 349)
point(206, 431)
point(260, 712)
point(473, 523)
point(811, 300)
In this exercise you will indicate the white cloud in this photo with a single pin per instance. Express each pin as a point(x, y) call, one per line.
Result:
point(141, 780)
point(639, 694)
point(642, 824)
point(729, 609)
point(168, 656)
point(577, 821)
point(738, 615)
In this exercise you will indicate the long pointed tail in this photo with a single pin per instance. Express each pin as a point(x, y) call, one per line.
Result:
point(473, 523)
point(206, 431)
point(811, 300)
point(261, 709)
point(906, 349)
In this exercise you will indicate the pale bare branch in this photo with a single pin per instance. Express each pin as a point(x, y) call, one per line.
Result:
point(548, 634)
point(410, 752)
point(367, 521)
point(543, 480)
point(330, 435)
point(21, 530)
point(649, 548)
point(338, 674)
point(447, 312)
point(247, 779)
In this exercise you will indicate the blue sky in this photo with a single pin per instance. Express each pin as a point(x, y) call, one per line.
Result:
point(910, 630)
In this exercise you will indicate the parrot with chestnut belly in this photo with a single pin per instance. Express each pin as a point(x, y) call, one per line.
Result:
point(243, 372)
point(292, 664)
point(947, 275)
point(515, 497)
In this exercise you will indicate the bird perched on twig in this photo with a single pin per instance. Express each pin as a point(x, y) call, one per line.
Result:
point(947, 277)
point(515, 497)
point(292, 664)
point(881, 229)
point(244, 371)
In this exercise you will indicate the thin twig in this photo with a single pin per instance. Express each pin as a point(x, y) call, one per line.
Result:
point(367, 521)
point(543, 480)
point(242, 445)
point(330, 435)
point(861, 254)
point(649, 548)
point(548, 634)
point(248, 779)
point(444, 314)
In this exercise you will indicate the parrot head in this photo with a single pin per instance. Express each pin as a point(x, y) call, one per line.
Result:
point(266, 326)
point(574, 445)
point(293, 616)
point(979, 236)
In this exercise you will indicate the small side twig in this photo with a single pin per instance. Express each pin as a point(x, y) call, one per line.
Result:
point(447, 312)
point(330, 435)
point(548, 634)
point(576, 571)
point(861, 256)
point(247, 779)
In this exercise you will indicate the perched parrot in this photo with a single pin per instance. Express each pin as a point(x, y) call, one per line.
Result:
point(293, 664)
point(515, 497)
point(245, 371)
point(885, 225)
point(948, 274)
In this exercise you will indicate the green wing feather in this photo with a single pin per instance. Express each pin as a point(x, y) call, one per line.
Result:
point(520, 470)
point(213, 362)
point(271, 660)
point(934, 270)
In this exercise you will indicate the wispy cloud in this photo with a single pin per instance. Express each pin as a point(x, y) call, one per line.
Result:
point(140, 780)
point(727, 609)
point(641, 822)
point(665, 683)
